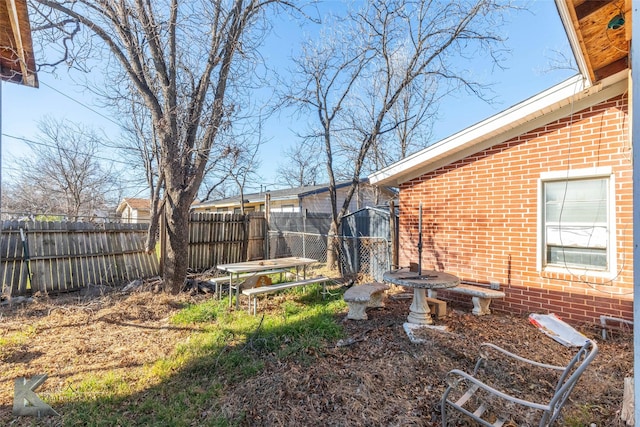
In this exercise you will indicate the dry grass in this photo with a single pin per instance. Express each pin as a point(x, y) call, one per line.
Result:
point(380, 379)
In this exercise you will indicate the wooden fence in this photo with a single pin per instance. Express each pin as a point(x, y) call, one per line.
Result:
point(60, 257)
point(220, 238)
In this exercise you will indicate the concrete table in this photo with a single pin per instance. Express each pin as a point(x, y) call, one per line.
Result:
point(419, 312)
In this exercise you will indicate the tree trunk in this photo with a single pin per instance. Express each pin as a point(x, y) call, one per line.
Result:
point(332, 246)
point(175, 268)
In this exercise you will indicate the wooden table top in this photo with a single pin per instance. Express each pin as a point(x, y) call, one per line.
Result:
point(265, 264)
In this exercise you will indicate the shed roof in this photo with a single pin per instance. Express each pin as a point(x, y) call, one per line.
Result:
point(381, 210)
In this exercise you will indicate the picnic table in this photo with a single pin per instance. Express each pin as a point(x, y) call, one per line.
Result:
point(237, 269)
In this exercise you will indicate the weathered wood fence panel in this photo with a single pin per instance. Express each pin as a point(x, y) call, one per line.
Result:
point(257, 236)
point(61, 257)
point(221, 238)
point(13, 271)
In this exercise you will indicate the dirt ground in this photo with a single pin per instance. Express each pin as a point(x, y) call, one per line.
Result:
point(374, 376)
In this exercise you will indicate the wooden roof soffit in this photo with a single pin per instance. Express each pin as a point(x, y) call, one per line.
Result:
point(17, 61)
point(601, 32)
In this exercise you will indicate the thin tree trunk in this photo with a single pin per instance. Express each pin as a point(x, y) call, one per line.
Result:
point(332, 246)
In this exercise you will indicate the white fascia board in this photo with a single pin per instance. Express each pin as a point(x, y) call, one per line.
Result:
point(483, 130)
point(574, 40)
point(537, 111)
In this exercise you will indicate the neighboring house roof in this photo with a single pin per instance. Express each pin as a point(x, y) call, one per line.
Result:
point(292, 194)
point(135, 204)
point(574, 94)
point(17, 61)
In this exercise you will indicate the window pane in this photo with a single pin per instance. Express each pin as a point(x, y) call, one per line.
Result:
point(576, 201)
point(576, 222)
point(577, 257)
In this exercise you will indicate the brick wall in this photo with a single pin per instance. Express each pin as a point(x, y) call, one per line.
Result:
point(480, 216)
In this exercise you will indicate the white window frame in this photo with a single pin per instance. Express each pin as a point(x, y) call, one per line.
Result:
point(590, 173)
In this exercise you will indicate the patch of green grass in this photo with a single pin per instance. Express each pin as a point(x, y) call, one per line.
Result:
point(227, 347)
point(14, 340)
point(204, 312)
point(579, 415)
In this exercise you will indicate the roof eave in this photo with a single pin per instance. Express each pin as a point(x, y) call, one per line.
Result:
point(21, 45)
point(537, 111)
point(292, 197)
point(577, 46)
point(326, 188)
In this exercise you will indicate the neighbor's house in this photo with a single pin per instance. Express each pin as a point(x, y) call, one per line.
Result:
point(133, 210)
point(538, 197)
point(312, 198)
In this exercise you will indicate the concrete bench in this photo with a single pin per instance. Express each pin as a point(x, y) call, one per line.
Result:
point(361, 297)
point(480, 297)
point(254, 292)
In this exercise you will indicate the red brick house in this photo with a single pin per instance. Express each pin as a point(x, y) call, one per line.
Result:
point(538, 197)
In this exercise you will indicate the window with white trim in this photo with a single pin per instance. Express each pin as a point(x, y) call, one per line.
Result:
point(576, 217)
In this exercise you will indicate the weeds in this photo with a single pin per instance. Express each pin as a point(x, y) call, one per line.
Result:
point(226, 347)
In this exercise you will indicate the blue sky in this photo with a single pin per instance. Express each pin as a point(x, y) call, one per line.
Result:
point(533, 36)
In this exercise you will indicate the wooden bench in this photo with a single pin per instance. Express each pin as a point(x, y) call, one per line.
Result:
point(221, 281)
point(480, 297)
point(254, 292)
point(361, 297)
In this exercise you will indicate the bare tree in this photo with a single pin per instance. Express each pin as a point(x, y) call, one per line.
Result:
point(302, 167)
point(180, 58)
point(415, 113)
point(326, 75)
point(64, 175)
point(355, 79)
point(245, 165)
point(140, 146)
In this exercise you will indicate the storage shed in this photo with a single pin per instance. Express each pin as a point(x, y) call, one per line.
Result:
point(366, 243)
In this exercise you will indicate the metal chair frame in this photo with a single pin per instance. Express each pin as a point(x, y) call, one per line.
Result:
point(568, 378)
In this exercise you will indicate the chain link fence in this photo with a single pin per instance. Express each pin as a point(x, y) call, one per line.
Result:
point(361, 258)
